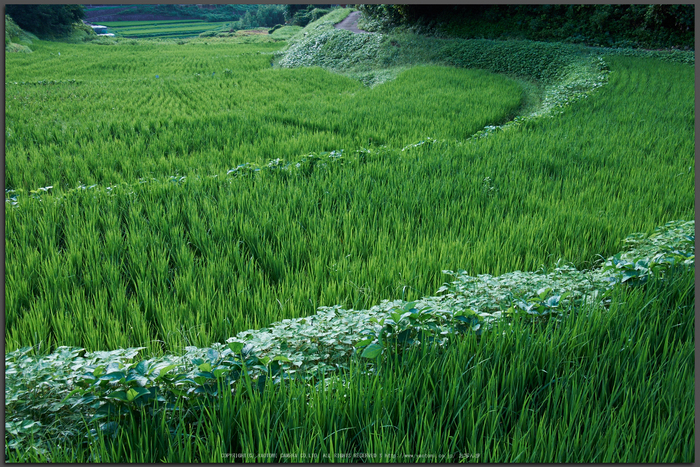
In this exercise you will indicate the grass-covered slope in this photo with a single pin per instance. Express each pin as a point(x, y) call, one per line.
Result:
point(16, 39)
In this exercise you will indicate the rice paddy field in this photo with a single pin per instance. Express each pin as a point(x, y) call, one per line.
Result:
point(163, 29)
point(164, 198)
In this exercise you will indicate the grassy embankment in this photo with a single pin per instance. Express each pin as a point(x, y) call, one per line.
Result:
point(205, 245)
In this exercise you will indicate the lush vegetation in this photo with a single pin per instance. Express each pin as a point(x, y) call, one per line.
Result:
point(166, 29)
point(204, 109)
point(46, 20)
point(16, 39)
point(301, 15)
point(613, 386)
point(214, 13)
point(241, 255)
point(246, 15)
point(646, 26)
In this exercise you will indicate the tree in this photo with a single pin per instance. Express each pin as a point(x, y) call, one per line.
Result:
point(53, 20)
point(270, 15)
point(249, 21)
point(291, 10)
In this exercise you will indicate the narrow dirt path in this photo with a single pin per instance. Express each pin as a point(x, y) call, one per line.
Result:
point(350, 23)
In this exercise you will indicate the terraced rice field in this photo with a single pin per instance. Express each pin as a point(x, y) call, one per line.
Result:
point(167, 196)
point(171, 29)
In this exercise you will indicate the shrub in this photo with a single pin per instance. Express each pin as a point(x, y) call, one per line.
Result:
point(269, 15)
point(51, 20)
point(12, 31)
point(13, 48)
point(316, 13)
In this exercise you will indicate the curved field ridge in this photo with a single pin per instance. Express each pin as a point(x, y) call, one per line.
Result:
point(569, 187)
point(322, 342)
point(567, 73)
point(189, 112)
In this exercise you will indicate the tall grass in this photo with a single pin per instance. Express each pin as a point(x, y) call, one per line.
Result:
point(188, 110)
point(164, 195)
point(602, 386)
point(170, 263)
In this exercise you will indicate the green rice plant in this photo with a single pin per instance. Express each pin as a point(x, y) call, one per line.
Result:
point(167, 128)
point(602, 386)
point(210, 193)
point(230, 253)
point(285, 32)
point(148, 29)
point(99, 385)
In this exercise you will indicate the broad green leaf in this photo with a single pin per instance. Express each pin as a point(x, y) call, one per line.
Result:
point(114, 376)
point(627, 275)
point(121, 395)
point(163, 371)
point(372, 351)
point(135, 393)
point(85, 400)
point(140, 380)
point(74, 391)
point(142, 367)
point(363, 343)
point(236, 347)
point(543, 292)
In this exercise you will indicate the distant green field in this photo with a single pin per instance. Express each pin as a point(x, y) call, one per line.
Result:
point(150, 29)
point(119, 24)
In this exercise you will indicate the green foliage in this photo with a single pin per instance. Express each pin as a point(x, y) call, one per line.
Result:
point(210, 193)
point(248, 21)
point(633, 359)
point(361, 54)
point(48, 20)
point(12, 31)
point(219, 13)
point(302, 15)
point(671, 246)
point(644, 26)
point(270, 15)
point(452, 168)
point(537, 60)
point(283, 33)
point(246, 99)
point(16, 40)
point(14, 48)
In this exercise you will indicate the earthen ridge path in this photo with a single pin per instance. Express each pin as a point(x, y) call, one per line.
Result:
point(350, 23)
